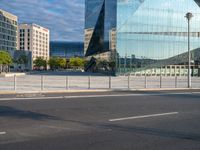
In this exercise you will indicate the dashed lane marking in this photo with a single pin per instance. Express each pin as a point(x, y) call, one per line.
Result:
point(145, 116)
point(2, 133)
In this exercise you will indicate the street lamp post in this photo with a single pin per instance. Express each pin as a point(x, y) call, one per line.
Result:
point(189, 16)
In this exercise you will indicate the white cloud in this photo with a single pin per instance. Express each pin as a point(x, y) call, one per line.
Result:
point(64, 18)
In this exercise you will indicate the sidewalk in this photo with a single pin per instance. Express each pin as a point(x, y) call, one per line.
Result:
point(102, 90)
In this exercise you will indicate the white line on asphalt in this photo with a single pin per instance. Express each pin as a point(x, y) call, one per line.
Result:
point(30, 98)
point(2, 133)
point(145, 116)
point(91, 96)
point(195, 92)
point(68, 97)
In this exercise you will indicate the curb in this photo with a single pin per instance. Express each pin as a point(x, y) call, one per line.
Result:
point(49, 92)
point(95, 90)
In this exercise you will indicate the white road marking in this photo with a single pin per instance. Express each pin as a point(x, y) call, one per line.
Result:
point(30, 98)
point(91, 96)
point(195, 92)
point(145, 116)
point(2, 133)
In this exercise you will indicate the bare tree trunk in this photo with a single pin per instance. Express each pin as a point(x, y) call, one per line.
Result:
point(0, 68)
point(7, 69)
point(3, 68)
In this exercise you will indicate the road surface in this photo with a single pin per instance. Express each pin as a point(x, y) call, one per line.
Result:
point(101, 121)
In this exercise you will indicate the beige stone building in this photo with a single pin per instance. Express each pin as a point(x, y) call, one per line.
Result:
point(34, 38)
point(8, 31)
point(88, 36)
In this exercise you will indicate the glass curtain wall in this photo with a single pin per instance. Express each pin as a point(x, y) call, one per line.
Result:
point(153, 33)
point(100, 19)
point(66, 49)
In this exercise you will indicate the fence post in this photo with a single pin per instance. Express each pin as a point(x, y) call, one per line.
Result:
point(67, 82)
point(160, 81)
point(89, 82)
point(110, 80)
point(176, 80)
point(15, 82)
point(145, 81)
point(42, 83)
point(128, 81)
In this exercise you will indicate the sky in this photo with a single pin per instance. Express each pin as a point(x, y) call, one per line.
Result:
point(64, 18)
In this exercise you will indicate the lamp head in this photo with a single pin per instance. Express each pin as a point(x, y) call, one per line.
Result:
point(189, 15)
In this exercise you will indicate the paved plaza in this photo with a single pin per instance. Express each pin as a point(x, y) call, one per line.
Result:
point(46, 82)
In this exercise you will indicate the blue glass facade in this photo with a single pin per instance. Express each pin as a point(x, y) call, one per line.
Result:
point(100, 17)
point(153, 33)
point(149, 33)
point(66, 49)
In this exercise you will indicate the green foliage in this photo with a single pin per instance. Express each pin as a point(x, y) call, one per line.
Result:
point(5, 58)
point(61, 62)
point(77, 62)
point(40, 62)
point(53, 63)
point(56, 62)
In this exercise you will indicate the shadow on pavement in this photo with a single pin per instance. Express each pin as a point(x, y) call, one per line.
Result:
point(157, 132)
point(143, 130)
point(11, 112)
point(65, 73)
point(182, 96)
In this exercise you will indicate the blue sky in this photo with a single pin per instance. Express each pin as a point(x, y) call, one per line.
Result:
point(64, 18)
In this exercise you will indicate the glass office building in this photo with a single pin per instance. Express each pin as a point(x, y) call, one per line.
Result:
point(100, 20)
point(151, 35)
point(66, 49)
point(8, 31)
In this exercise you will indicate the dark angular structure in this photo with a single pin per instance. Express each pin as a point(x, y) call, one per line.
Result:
point(101, 19)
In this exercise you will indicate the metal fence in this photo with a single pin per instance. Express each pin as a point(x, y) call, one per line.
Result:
point(56, 83)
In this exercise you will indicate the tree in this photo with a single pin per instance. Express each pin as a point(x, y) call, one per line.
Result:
point(53, 63)
point(56, 62)
point(61, 62)
point(77, 62)
point(5, 58)
point(5, 61)
point(40, 62)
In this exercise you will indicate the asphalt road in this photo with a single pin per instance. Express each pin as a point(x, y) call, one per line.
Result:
point(108, 121)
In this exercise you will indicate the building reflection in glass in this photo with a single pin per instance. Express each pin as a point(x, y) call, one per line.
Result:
point(150, 35)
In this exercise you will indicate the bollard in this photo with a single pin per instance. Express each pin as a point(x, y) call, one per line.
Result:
point(89, 82)
point(145, 81)
point(67, 82)
point(160, 81)
point(176, 81)
point(128, 81)
point(15, 82)
point(42, 83)
point(110, 80)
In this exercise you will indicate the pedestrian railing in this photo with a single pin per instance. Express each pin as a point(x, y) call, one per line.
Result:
point(56, 83)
